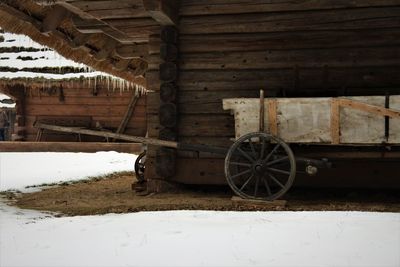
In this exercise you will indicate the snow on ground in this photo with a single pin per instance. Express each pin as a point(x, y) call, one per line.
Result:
point(200, 238)
point(181, 238)
point(18, 170)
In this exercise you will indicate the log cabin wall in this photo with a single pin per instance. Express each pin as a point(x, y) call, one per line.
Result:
point(76, 104)
point(232, 48)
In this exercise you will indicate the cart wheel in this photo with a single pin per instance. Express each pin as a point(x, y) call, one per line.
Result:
point(140, 167)
point(260, 166)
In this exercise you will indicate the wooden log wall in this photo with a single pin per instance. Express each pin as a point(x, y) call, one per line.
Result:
point(76, 104)
point(234, 48)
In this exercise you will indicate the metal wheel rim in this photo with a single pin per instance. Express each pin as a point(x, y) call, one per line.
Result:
point(274, 142)
point(139, 165)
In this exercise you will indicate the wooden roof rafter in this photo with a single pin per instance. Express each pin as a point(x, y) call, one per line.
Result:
point(50, 26)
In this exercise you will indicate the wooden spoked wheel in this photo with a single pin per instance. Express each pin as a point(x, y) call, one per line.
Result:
point(260, 166)
point(140, 166)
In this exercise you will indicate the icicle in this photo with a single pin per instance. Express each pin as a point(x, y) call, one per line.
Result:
point(108, 84)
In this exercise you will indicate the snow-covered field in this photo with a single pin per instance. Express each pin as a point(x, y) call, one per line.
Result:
point(180, 238)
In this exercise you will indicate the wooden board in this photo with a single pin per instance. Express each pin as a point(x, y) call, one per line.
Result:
point(394, 123)
point(308, 120)
point(361, 127)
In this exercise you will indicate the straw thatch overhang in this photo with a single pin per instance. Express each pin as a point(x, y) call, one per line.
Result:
point(37, 85)
point(110, 36)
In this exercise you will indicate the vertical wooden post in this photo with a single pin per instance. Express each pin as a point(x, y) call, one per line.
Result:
point(261, 110)
point(273, 122)
point(168, 111)
point(335, 121)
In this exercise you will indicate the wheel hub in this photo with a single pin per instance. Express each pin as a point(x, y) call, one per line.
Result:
point(258, 167)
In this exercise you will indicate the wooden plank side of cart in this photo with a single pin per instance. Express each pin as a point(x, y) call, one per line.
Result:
point(356, 120)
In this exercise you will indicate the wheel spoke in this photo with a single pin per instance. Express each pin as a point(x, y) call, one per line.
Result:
point(272, 152)
point(267, 186)
point(256, 185)
point(252, 148)
point(245, 155)
point(240, 173)
point(248, 180)
point(279, 171)
point(262, 147)
point(240, 163)
point(276, 180)
point(277, 161)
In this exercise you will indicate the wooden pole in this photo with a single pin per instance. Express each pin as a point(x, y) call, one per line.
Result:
point(262, 110)
point(136, 139)
point(69, 147)
point(128, 113)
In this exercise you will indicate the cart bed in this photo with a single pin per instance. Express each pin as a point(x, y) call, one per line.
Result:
point(349, 120)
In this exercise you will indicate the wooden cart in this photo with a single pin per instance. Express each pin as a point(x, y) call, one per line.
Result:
point(260, 163)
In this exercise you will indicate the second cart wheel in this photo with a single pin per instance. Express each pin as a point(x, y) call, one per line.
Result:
point(260, 166)
point(140, 166)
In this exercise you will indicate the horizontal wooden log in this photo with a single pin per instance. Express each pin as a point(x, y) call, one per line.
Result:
point(69, 147)
point(293, 79)
point(112, 9)
point(199, 171)
point(341, 19)
point(197, 125)
point(281, 40)
point(199, 102)
point(284, 40)
point(214, 7)
point(278, 59)
point(78, 100)
point(76, 110)
point(350, 173)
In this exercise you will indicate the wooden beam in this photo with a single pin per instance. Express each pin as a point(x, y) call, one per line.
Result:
point(131, 51)
point(53, 18)
point(164, 12)
point(20, 15)
point(128, 113)
point(138, 139)
point(273, 122)
point(69, 147)
point(122, 64)
point(335, 121)
point(382, 111)
point(80, 40)
point(105, 51)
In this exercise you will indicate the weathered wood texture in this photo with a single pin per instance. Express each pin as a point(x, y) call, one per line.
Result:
point(69, 147)
point(230, 49)
point(98, 108)
point(350, 120)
